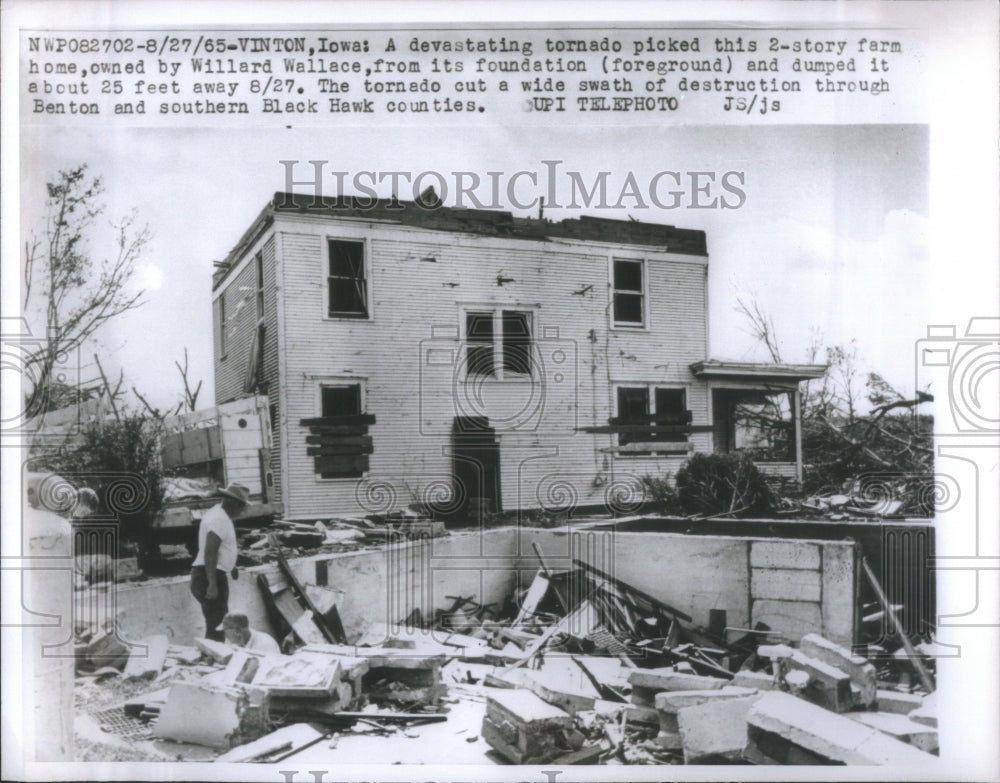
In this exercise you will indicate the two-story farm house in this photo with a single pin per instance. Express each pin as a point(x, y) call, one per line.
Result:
point(462, 359)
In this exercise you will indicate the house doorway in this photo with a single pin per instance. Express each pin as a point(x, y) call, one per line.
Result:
point(475, 469)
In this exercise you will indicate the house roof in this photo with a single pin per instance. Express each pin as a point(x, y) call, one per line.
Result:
point(715, 369)
point(428, 213)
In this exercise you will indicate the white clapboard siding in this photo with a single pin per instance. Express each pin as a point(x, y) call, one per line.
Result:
point(416, 313)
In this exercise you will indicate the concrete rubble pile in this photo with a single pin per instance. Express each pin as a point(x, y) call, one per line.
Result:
point(584, 668)
point(622, 678)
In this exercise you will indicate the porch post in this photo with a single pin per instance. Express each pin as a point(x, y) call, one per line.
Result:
point(797, 410)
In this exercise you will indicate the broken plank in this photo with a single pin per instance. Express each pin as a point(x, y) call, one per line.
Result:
point(325, 421)
point(629, 588)
point(287, 737)
point(340, 464)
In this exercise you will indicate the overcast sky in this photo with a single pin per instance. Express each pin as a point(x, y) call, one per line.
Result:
point(832, 235)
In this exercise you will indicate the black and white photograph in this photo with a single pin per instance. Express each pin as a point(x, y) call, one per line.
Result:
point(477, 392)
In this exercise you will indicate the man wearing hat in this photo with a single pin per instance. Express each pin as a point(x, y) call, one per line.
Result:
point(217, 557)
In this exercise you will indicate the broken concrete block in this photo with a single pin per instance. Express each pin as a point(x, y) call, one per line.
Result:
point(782, 727)
point(668, 679)
point(762, 681)
point(216, 716)
point(861, 672)
point(897, 702)
point(714, 731)
point(669, 703)
point(304, 675)
point(147, 657)
point(559, 692)
point(828, 686)
point(902, 728)
point(524, 729)
point(218, 651)
point(636, 713)
point(926, 713)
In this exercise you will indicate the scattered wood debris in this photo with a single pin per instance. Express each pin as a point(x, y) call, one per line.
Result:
point(582, 668)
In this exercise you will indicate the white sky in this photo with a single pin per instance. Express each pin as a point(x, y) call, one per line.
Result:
point(831, 237)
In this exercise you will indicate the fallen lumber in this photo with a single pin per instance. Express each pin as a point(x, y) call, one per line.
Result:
point(218, 651)
point(656, 602)
point(287, 737)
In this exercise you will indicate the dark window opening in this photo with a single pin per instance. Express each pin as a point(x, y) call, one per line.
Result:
point(479, 344)
point(346, 280)
point(628, 292)
point(633, 408)
point(516, 342)
point(670, 404)
point(341, 401)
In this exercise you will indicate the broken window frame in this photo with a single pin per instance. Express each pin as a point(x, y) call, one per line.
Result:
point(258, 260)
point(640, 293)
point(651, 390)
point(361, 283)
point(340, 383)
point(505, 352)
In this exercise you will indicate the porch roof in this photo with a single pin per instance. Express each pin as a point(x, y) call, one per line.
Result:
point(712, 369)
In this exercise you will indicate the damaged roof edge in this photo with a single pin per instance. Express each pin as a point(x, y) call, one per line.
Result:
point(428, 213)
point(715, 368)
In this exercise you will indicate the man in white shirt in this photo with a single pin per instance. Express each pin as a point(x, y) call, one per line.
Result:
point(217, 557)
point(236, 626)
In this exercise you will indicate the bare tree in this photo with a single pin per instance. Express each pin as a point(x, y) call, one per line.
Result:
point(75, 294)
point(190, 395)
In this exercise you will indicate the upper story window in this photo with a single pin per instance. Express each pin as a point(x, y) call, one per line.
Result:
point(629, 292)
point(347, 284)
point(498, 343)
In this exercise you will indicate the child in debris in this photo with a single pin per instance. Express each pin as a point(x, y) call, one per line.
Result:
point(217, 557)
point(236, 627)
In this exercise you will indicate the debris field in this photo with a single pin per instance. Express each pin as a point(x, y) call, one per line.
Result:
point(581, 668)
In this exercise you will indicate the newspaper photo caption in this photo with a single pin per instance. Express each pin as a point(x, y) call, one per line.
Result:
point(490, 76)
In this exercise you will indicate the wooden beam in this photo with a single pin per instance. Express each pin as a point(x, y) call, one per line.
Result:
point(333, 421)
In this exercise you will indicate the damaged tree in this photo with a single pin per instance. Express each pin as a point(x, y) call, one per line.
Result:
point(886, 451)
point(73, 294)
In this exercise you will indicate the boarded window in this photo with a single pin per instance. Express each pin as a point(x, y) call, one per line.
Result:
point(339, 401)
point(628, 292)
point(516, 342)
point(633, 408)
point(346, 279)
point(479, 344)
